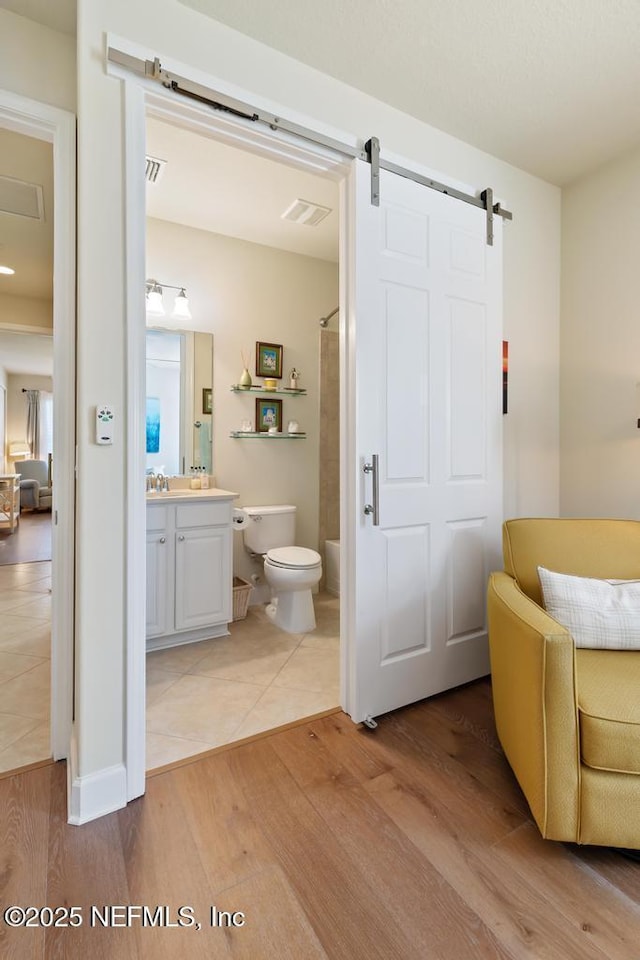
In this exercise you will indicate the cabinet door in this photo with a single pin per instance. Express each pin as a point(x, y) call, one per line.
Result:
point(203, 577)
point(158, 550)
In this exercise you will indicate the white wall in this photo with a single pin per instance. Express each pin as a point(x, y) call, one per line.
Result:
point(531, 299)
point(600, 441)
point(37, 62)
point(242, 292)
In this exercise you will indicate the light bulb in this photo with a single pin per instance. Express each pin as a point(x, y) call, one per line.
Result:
point(181, 307)
point(155, 305)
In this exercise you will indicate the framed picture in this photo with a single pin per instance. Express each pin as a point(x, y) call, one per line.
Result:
point(207, 400)
point(153, 425)
point(269, 360)
point(268, 414)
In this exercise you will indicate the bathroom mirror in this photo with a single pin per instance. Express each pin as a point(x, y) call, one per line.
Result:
point(179, 401)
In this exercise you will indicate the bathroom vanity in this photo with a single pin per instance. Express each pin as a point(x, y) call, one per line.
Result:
point(189, 566)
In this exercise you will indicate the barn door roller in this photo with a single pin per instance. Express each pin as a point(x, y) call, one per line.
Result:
point(153, 70)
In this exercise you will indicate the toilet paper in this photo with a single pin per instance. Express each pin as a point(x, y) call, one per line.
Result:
point(239, 519)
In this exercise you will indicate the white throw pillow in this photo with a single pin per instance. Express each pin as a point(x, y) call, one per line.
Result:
point(600, 614)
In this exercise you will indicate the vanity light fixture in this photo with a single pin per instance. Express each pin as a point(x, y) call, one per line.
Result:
point(181, 306)
point(155, 304)
point(9, 271)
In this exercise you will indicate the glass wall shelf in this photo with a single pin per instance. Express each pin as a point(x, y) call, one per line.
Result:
point(249, 435)
point(236, 388)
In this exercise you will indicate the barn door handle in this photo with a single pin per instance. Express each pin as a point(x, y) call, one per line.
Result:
point(374, 508)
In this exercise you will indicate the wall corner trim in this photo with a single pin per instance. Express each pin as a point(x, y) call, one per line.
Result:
point(97, 794)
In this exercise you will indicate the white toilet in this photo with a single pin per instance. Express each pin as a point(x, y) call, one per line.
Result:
point(291, 571)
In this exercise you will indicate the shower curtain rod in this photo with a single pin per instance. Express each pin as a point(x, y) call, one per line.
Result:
point(324, 321)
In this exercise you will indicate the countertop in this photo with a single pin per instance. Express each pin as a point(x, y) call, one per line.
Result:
point(213, 493)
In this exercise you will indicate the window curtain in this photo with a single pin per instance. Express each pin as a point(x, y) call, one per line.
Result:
point(33, 422)
point(46, 424)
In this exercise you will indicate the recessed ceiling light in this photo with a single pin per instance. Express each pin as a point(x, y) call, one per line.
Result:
point(6, 270)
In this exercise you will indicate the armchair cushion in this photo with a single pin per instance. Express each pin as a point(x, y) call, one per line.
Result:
point(609, 709)
point(599, 614)
point(34, 478)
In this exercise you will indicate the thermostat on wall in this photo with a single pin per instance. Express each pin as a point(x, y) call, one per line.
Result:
point(104, 423)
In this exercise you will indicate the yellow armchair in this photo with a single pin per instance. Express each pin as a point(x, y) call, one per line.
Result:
point(568, 719)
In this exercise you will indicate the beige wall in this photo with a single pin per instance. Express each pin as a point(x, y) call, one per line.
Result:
point(169, 30)
point(26, 312)
point(600, 401)
point(243, 292)
point(37, 62)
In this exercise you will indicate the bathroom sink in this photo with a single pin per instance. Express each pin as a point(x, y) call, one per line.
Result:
point(190, 494)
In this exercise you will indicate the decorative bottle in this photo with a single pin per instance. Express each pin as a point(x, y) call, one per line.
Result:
point(245, 380)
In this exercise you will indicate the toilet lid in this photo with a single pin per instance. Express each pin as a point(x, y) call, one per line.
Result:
point(300, 557)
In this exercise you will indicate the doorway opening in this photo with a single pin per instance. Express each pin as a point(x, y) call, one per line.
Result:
point(420, 445)
point(217, 229)
point(26, 369)
point(37, 376)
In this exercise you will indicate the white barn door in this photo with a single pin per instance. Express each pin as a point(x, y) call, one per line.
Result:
point(424, 369)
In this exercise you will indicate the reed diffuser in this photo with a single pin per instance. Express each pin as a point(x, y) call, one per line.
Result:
point(245, 380)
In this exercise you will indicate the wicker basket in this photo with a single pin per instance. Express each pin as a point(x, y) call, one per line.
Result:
point(241, 592)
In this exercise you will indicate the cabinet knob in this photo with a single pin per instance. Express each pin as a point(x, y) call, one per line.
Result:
point(163, 539)
point(181, 537)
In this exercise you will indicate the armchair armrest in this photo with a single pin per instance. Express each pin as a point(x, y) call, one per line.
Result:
point(29, 494)
point(534, 695)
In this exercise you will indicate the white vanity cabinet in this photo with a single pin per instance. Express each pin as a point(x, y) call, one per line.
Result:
point(189, 569)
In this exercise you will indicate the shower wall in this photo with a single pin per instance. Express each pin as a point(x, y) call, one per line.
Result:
point(329, 520)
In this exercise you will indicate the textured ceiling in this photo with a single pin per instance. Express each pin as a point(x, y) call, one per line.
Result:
point(548, 85)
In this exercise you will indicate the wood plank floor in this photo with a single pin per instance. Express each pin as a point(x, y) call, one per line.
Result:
point(412, 841)
point(31, 540)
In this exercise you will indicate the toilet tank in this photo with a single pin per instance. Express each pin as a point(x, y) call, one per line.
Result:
point(269, 527)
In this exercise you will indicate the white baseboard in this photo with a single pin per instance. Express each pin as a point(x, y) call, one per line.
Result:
point(97, 793)
point(188, 636)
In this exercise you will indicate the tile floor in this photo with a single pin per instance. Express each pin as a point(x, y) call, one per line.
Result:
point(25, 663)
point(199, 695)
point(202, 695)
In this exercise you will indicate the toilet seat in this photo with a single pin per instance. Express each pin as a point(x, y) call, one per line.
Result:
point(293, 558)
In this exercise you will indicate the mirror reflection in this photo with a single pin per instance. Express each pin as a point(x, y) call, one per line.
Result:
point(179, 391)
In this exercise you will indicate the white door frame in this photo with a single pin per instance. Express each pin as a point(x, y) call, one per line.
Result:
point(58, 127)
point(142, 96)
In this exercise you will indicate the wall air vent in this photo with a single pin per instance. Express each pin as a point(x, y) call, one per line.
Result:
point(21, 199)
point(154, 168)
point(305, 212)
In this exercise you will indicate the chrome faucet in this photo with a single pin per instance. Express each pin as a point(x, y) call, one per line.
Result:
point(160, 479)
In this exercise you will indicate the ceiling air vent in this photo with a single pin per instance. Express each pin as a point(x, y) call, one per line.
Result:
point(305, 212)
point(154, 168)
point(21, 199)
